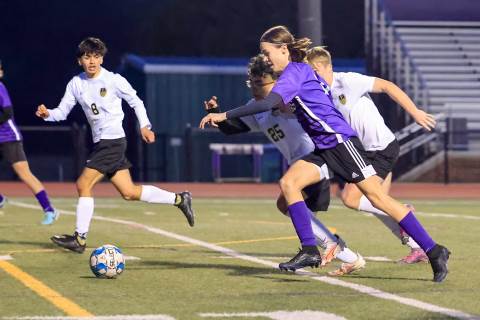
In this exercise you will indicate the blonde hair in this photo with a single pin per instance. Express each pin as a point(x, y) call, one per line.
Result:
point(319, 54)
point(281, 35)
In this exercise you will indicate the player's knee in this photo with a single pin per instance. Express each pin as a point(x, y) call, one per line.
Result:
point(287, 185)
point(130, 194)
point(349, 200)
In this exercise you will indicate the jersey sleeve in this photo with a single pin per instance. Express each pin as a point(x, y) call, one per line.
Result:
point(289, 84)
point(66, 105)
point(5, 101)
point(359, 83)
point(127, 93)
point(250, 120)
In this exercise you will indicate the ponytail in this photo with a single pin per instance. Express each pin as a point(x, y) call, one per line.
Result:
point(281, 35)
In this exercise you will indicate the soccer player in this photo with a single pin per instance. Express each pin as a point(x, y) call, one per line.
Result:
point(11, 148)
point(287, 135)
point(308, 95)
point(350, 93)
point(100, 93)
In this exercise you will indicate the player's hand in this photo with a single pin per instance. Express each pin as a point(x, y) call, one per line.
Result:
point(211, 104)
point(424, 119)
point(212, 119)
point(147, 135)
point(42, 112)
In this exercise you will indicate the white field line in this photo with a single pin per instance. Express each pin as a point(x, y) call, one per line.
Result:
point(426, 214)
point(115, 317)
point(277, 315)
point(378, 259)
point(333, 281)
point(6, 257)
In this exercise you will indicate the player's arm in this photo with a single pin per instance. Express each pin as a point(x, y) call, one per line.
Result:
point(258, 106)
point(424, 119)
point(61, 112)
point(229, 126)
point(6, 113)
point(127, 93)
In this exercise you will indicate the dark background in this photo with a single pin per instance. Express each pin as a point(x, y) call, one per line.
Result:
point(38, 38)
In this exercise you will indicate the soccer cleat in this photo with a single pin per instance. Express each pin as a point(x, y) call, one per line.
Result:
point(2, 203)
point(347, 268)
point(302, 259)
point(74, 243)
point(50, 217)
point(186, 206)
point(438, 257)
point(330, 252)
point(415, 256)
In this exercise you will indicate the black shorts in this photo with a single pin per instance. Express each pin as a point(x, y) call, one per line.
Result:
point(108, 156)
point(318, 194)
point(384, 160)
point(348, 160)
point(12, 152)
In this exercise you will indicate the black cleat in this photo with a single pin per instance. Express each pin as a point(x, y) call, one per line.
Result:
point(186, 206)
point(438, 257)
point(304, 258)
point(74, 243)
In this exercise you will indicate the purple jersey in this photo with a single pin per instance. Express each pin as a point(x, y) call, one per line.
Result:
point(8, 130)
point(310, 97)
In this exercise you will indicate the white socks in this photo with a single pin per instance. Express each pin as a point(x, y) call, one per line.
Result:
point(347, 255)
point(322, 234)
point(389, 222)
point(84, 214)
point(152, 194)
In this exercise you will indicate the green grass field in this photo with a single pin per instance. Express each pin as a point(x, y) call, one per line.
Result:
point(189, 278)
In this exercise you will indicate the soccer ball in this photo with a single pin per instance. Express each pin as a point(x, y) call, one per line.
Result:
point(107, 261)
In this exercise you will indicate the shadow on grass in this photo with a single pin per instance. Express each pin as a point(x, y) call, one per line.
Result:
point(355, 276)
point(44, 245)
point(236, 270)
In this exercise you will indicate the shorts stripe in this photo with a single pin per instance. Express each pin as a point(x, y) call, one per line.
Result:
point(355, 151)
point(14, 129)
point(355, 155)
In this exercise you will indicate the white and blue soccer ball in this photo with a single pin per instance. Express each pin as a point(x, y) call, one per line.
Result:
point(107, 261)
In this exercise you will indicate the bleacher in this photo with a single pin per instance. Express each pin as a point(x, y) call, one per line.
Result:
point(433, 53)
point(447, 54)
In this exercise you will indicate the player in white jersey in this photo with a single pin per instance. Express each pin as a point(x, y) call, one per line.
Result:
point(284, 131)
point(100, 93)
point(350, 93)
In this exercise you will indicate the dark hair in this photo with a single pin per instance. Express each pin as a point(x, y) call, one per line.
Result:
point(281, 35)
point(259, 66)
point(91, 45)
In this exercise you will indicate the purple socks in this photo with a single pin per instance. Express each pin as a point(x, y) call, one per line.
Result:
point(300, 215)
point(42, 198)
point(415, 230)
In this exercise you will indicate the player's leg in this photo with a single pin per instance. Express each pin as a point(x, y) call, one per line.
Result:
point(437, 254)
point(122, 181)
point(348, 159)
point(15, 155)
point(22, 170)
point(85, 208)
point(3, 200)
point(298, 176)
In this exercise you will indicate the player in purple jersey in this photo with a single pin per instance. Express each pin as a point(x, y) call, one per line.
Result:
point(308, 95)
point(295, 146)
point(11, 149)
